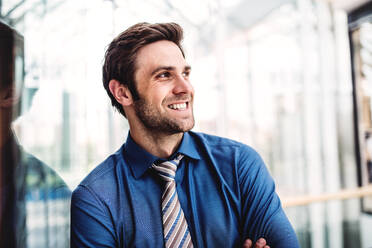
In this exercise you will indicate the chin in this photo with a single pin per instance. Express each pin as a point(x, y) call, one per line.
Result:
point(187, 128)
point(182, 127)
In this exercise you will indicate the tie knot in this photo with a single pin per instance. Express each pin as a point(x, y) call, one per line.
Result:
point(167, 170)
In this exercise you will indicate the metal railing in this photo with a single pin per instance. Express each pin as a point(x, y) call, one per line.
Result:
point(339, 195)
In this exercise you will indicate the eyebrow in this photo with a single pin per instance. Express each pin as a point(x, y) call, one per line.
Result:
point(168, 68)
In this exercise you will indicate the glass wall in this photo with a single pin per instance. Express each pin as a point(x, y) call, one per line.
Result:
point(277, 76)
point(35, 200)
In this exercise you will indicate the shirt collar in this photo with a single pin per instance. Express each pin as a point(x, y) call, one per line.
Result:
point(188, 147)
point(139, 160)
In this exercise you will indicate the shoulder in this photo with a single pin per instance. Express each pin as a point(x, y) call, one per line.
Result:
point(242, 157)
point(235, 161)
point(105, 169)
point(224, 145)
point(39, 177)
point(213, 140)
point(40, 172)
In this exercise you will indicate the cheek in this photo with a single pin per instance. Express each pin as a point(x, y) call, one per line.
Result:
point(161, 97)
point(156, 101)
point(164, 102)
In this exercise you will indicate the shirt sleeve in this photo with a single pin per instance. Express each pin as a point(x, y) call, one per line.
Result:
point(262, 213)
point(90, 222)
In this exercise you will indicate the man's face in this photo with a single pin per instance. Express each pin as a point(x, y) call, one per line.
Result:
point(166, 95)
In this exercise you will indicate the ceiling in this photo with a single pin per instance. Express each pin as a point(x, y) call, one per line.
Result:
point(248, 12)
point(347, 5)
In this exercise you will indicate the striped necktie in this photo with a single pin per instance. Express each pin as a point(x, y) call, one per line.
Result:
point(176, 231)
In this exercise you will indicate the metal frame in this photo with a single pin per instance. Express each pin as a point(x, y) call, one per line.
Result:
point(355, 18)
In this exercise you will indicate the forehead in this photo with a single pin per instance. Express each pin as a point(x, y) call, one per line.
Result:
point(159, 53)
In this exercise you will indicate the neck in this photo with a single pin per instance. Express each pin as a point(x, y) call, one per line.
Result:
point(159, 144)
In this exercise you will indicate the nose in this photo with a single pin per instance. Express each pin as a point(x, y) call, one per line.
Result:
point(183, 85)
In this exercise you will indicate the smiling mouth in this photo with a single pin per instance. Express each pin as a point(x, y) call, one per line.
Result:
point(178, 106)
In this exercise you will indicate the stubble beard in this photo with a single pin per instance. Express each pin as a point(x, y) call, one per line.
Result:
point(154, 121)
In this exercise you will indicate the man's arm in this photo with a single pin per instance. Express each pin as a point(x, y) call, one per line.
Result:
point(262, 214)
point(90, 222)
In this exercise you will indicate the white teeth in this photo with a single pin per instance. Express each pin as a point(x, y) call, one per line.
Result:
point(180, 106)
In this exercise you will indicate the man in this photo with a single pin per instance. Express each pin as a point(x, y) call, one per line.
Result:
point(168, 186)
point(34, 199)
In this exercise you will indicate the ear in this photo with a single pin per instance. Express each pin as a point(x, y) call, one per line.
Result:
point(120, 92)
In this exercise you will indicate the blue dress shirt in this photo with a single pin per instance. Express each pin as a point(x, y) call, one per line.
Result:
point(223, 186)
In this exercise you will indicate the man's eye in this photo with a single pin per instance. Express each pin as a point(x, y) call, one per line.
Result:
point(186, 73)
point(163, 75)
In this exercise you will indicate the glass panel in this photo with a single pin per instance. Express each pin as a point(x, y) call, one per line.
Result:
point(35, 200)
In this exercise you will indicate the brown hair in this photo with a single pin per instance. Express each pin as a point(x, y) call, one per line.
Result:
point(121, 54)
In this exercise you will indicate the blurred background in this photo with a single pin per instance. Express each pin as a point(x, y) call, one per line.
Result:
point(291, 78)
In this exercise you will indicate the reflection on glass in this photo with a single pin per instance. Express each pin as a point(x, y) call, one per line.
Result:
point(34, 199)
